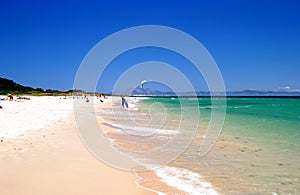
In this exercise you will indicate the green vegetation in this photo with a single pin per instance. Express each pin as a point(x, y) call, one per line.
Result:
point(10, 87)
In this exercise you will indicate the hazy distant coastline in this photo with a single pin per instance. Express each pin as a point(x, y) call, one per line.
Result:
point(9, 86)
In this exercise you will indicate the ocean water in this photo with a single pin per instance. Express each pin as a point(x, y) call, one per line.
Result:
point(257, 151)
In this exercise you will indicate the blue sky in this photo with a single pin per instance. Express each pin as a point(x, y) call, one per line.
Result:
point(256, 44)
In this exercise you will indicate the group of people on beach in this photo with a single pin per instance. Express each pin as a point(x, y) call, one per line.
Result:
point(101, 97)
point(9, 98)
point(124, 102)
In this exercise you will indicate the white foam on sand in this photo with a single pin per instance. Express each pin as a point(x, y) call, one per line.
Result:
point(139, 130)
point(18, 117)
point(185, 180)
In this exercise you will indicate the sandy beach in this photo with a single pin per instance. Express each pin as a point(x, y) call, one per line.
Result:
point(41, 153)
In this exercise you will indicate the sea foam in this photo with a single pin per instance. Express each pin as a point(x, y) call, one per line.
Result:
point(185, 180)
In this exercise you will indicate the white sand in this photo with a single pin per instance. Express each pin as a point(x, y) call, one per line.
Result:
point(41, 153)
point(17, 117)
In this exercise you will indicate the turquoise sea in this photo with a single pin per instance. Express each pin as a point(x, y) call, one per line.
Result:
point(257, 151)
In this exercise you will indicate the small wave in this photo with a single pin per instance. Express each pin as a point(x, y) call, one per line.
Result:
point(185, 180)
point(212, 107)
point(143, 131)
point(247, 106)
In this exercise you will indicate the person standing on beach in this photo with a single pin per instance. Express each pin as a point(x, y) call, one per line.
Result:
point(101, 98)
point(123, 101)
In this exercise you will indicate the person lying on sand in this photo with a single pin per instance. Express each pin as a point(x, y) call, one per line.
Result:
point(23, 98)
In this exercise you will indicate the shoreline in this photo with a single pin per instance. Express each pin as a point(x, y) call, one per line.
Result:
point(51, 159)
point(163, 179)
point(149, 175)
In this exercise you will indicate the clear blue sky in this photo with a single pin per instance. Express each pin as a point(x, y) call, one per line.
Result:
point(256, 44)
